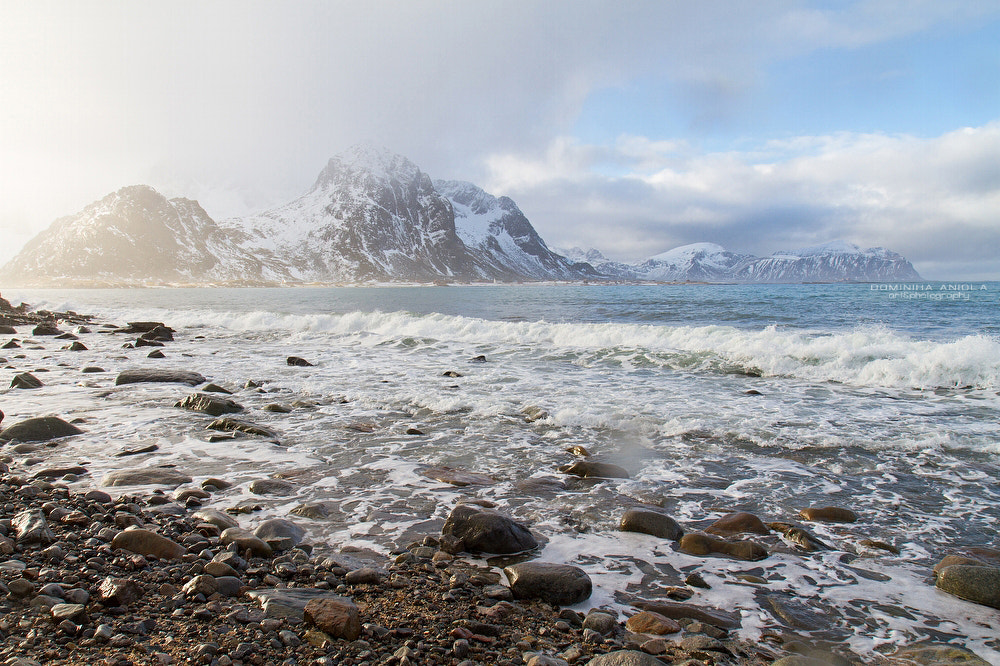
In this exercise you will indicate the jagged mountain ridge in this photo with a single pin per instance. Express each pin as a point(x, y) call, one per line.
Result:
point(837, 261)
point(371, 215)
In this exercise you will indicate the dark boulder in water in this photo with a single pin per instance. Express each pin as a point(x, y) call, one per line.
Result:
point(156, 353)
point(485, 531)
point(159, 376)
point(649, 521)
point(160, 333)
point(209, 404)
point(296, 361)
point(76, 346)
point(829, 514)
point(161, 476)
point(704, 544)
point(25, 380)
point(39, 429)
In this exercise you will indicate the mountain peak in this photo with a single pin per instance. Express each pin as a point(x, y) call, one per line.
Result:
point(370, 161)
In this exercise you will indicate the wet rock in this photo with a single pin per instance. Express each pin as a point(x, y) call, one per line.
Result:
point(939, 655)
point(739, 522)
point(625, 658)
point(226, 424)
point(457, 477)
point(160, 333)
point(279, 533)
point(315, 510)
point(30, 527)
point(136, 450)
point(590, 469)
point(298, 362)
point(162, 476)
point(52, 473)
point(152, 375)
point(45, 330)
point(533, 413)
point(271, 487)
point(39, 429)
point(338, 618)
point(215, 517)
point(156, 353)
point(799, 536)
point(146, 542)
point(978, 584)
point(25, 380)
point(561, 584)
point(649, 521)
point(829, 514)
point(245, 540)
point(209, 404)
point(485, 531)
point(276, 408)
point(677, 611)
point(141, 327)
point(76, 346)
point(704, 544)
point(649, 622)
point(92, 370)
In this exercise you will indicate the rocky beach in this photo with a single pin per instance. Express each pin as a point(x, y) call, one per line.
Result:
point(116, 553)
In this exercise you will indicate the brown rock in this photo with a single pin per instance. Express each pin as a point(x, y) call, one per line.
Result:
point(118, 591)
point(703, 544)
point(951, 560)
point(649, 622)
point(244, 540)
point(338, 618)
point(146, 542)
point(739, 522)
point(829, 514)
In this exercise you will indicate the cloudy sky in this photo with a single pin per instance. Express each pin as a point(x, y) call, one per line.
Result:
point(630, 127)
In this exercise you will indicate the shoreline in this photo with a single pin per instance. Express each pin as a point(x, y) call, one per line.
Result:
point(421, 588)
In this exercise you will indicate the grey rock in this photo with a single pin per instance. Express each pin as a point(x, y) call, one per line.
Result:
point(625, 658)
point(278, 531)
point(289, 602)
point(30, 526)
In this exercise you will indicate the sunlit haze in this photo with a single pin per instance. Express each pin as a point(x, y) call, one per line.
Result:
point(630, 128)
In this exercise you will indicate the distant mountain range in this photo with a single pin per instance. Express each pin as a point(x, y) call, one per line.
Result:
point(837, 261)
point(373, 216)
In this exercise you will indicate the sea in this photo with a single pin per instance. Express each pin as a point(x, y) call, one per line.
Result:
point(880, 398)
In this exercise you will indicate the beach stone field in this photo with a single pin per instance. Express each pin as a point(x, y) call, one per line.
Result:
point(178, 574)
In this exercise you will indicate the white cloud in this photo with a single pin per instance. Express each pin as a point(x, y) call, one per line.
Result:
point(934, 200)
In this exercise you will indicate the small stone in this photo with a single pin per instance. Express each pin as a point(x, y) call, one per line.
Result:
point(648, 622)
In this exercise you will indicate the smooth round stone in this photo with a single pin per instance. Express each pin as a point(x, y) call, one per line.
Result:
point(39, 429)
point(654, 523)
point(562, 584)
point(146, 542)
point(978, 584)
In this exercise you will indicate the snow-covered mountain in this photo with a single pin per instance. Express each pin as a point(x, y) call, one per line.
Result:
point(837, 261)
point(501, 241)
point(371, 215)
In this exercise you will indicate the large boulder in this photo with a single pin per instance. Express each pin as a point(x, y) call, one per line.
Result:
point(828, 514)
point(562, 584)
point(649, 521)
point(40, 429)
point(625, 658)
point(226, 424)
point(160, 476)
point(159, 376)
point(978, 584)
point(486, 531)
